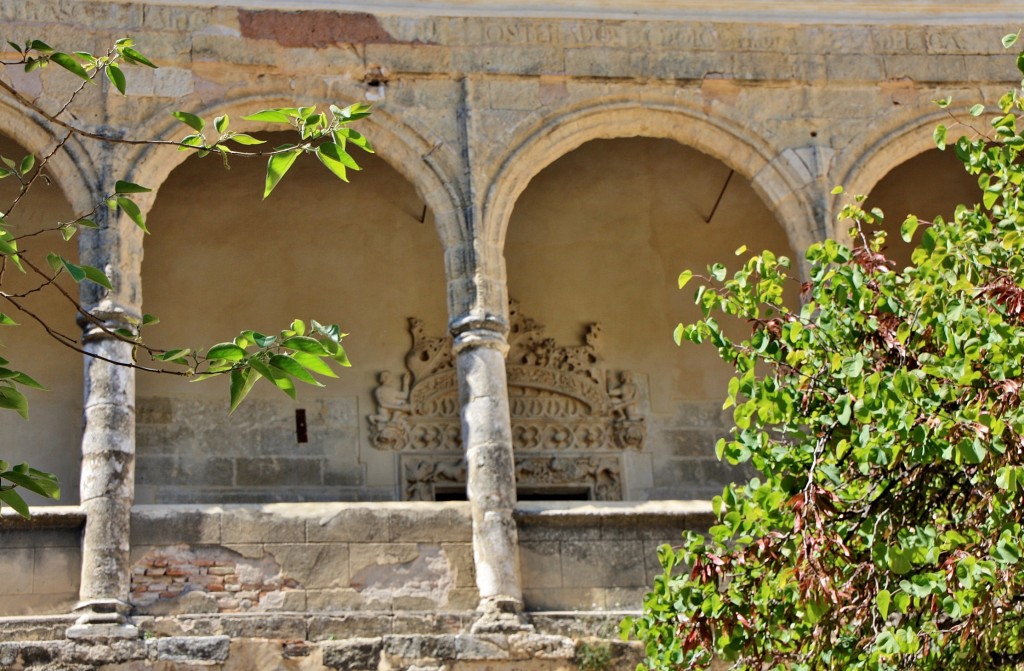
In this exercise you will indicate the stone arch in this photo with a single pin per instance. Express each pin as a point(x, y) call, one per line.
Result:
point(310, 255)
point(867, 163)
point(71, 168)
point(397, 143)
point(772, 176)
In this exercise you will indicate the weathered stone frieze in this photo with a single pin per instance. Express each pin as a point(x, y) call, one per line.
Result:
point(560, 397)
point(601, 476)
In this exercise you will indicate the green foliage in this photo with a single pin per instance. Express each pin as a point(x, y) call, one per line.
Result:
point(884, 417)
point(292, 355)
point(593, 656)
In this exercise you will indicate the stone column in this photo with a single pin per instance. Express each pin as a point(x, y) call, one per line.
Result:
point(480, 348)
point(108, 439)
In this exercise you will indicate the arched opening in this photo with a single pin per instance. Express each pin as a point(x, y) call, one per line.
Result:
point(600, 236)
point(928, 185)
point(51, 439)
point(365, 255)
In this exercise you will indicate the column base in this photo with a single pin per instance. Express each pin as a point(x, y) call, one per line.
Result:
point(501, 615)
point(102, 619)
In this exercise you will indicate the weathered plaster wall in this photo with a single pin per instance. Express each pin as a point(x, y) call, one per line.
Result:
point(51, 441)
point(611, 253)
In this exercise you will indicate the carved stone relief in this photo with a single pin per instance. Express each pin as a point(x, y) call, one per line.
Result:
point(601, 476)
point(562, 403)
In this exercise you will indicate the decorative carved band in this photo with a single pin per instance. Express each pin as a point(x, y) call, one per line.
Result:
point(600, 475)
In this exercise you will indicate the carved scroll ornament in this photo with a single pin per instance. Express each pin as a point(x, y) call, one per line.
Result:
point(559, 396)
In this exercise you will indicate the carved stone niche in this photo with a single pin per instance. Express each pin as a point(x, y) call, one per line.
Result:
point(562, 404)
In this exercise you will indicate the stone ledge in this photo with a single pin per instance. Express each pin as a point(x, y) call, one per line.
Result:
point(43, 517)
point(557, 640)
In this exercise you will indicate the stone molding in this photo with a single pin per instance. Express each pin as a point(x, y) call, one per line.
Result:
point(600, 476)
point(804, 11)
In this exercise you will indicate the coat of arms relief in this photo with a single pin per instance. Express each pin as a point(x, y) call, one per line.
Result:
point(571, 418)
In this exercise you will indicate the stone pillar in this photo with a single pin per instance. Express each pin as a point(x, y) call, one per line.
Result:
point(107, 485)
point(480, 348)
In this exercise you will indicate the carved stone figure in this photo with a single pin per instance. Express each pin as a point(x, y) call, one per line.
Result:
point(625, 397)
point(387, 428)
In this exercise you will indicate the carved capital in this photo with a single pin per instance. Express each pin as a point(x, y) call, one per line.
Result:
point(479, 330)
point(106, 316)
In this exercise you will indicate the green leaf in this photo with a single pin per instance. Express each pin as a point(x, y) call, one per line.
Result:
point(341, 357)
point(685, 277)
point(280, 115)
point(70, 64)
point(25, 380)
point(173, 355)
point(226, 351)
point(26, 164)
point(977, 110)
point(122, 186)
point(304, 344)
point(133, 212)
point(98, 276)
point(939, 135)
point(221, 124)
point(1010, 40)
point(279, 378)
point(44, 484)
point(314, 363)
point(882, 601)
point(12, 399)
point(293, 368)
point(14, 500)
point(190, 120)
point(5, 320)
point(133, 56)
point(247, 140)
point(116, 77)
point(972, 451)
point(148, 319)
point(242, 381)
point(909, 227)
point(336, 160)
point(278, 165)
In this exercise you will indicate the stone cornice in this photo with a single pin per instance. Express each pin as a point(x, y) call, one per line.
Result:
point(1008, 12)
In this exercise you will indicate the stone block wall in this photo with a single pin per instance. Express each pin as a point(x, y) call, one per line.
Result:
point(302, 557)
point(190, 449)
point(40, 561)
point(597, 558)
point(684, 455)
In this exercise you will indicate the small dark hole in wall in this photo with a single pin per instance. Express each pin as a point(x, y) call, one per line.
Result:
point(814, 133)
point(300, 426)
